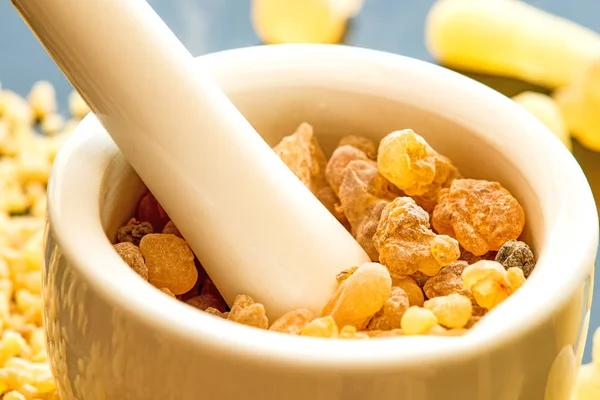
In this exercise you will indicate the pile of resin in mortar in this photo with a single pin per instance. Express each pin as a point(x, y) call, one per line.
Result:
point(444, 248)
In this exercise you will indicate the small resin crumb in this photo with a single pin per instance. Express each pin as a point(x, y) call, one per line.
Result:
point(292, 322)
point(404, 240)
point(515, 253)
point(170, 262)
point(481, 215)
point(132, 255)
point(362, 143)
point(418, 321)
point(390, 315)
point(205, 301)
point(323, 327)
point(134, 231)
point(246, 311)
point(452, 311)
point(345, 274)
point(490, 283)
point(149, 210)
point(172, 229)
point(411, 288)
point(350, 332)
point(360, 296)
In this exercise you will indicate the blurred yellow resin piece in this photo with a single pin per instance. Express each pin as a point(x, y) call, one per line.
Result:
point(587, 386)
point(588, 383)
point(580, 106)
point(302, 21)
point(547, 111)
point(509, 38)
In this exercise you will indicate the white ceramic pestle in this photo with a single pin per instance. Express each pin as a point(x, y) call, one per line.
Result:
point(254, 226)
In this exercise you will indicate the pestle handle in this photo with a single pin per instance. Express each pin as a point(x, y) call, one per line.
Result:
point(255, 227)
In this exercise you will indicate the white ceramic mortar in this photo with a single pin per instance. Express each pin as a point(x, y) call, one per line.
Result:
point(112, 336)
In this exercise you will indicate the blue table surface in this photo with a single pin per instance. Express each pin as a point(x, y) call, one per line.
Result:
point(206, 26)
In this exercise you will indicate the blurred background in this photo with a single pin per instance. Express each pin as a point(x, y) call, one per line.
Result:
point(206, 26)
